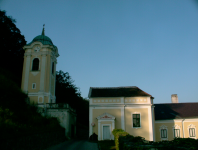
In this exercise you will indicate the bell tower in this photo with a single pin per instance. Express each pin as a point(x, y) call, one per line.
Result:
point(39, 70)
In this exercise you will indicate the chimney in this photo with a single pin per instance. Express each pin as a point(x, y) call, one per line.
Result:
point(174, 98)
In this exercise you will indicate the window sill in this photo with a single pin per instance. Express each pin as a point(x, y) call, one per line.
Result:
point(40, 103)
point(35, 72)
point(164, 139)
point(136, 127)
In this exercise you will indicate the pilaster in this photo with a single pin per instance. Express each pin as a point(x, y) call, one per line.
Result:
point(122, 118)
point(99, 132)
point(50, 82)
point(54, 85)
point(27, 70)
point(42, 79)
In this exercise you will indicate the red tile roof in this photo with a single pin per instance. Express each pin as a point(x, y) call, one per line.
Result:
point(129, 91)
point(175, 111)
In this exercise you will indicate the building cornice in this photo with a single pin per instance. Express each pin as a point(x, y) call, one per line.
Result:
point(177, 120)
point(120, 105)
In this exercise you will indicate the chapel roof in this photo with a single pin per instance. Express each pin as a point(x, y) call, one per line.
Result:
point(175, 111)
point(129, 91)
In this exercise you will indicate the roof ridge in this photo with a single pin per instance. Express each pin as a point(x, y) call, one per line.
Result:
point(114, 87)
point(177, 103)
point(121, 91)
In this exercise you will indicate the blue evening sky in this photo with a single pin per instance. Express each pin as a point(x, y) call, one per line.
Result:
point(151, 44)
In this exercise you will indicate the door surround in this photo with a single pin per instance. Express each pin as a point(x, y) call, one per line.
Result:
point(104, 118)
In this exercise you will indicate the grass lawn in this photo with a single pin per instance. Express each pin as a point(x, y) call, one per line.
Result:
point(107, 144)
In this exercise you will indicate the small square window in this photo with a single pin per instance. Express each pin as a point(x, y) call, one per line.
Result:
point(163, 133)
point(136, 120)
point(33, 85)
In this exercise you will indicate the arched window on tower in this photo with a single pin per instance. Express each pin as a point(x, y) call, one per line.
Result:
point(35, 65)
point(53, 68)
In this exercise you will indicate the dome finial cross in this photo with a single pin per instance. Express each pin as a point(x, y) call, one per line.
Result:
point(43, 31)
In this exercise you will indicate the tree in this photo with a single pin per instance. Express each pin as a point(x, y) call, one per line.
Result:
point(67, 92)
point(12, 43)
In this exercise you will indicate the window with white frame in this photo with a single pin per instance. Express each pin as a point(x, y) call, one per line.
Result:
point(176, 133)
point(163, 133)
point(33, 85)
point(136, 120)
point(191, 132)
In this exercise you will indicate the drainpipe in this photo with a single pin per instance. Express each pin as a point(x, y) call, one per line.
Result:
point(183, 126)
point(124, 118)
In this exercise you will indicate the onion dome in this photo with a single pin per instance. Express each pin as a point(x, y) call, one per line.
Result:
point(45, 40)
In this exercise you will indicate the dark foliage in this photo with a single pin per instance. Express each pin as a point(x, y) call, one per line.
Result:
point(67, 92)
point(106, 144)
point(16, 116)
point(12, 43)
point(93, 137)
point(34, 141)
point(130, 142)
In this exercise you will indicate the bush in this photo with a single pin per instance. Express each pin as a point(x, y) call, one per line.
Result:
point(130, 141)
point(117, 130)
point(125, 140)
point(188, 142)
point(118, 135)
point(106, 144)
point(93, 137)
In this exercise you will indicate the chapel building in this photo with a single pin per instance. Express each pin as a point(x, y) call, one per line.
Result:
point(133, 110)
